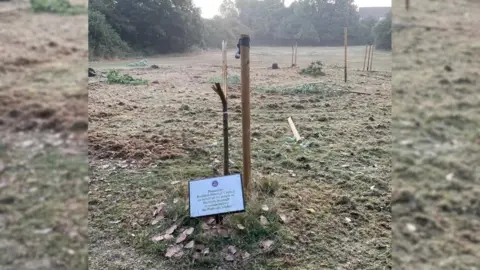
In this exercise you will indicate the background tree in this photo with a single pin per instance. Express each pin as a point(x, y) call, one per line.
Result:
point(366, 28)
point(148, 27)
point(383, 33)
point(103, 40)
point(228, 9)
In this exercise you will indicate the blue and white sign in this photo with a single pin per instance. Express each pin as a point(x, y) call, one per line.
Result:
point(218, 195)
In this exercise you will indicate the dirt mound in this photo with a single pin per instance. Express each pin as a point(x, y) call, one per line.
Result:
point(20, 112)
point(138, 149)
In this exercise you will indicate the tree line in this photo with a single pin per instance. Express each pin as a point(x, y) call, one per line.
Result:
point(120, 28)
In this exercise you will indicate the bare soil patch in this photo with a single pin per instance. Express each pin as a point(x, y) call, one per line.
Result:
point(141, 148)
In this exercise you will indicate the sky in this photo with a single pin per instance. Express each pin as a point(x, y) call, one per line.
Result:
point(210, 7)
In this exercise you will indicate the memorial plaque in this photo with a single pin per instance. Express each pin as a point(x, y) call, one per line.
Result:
point(217, 195)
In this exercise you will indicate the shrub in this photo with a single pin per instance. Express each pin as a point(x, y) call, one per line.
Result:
point(315, 69)
point(56, 6)
point(103, 41)
point(115, 77)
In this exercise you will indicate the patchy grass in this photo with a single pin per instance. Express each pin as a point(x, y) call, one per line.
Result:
point(114, 77)
point(320, 89)
point(315, 69)
point(244, 231)
point(62, 7)
point(436, 127)
point(141, 63)
point(43, 153)
point(233, 79)
point(43, 200)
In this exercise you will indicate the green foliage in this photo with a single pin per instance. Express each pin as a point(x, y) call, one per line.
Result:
point(57, 6)
point(315, 69)
point(153, 26)
point(383, 33)
point(103, 40)
point(164, 26)
point(366, 29)
point(114, 77)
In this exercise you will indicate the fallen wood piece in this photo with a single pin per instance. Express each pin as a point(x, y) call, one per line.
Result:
point(402, 26)
point(355, 92)
point(294, 129)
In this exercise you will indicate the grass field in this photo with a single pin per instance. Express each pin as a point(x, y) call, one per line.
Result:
point(436, 177)
point(327, 199)
point(43, 142)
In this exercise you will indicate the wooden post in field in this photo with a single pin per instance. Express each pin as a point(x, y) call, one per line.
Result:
point(346, 42)
point(365, 58)
point(224, 67)
point(296, 50)
point(293, 54)
point(245, 77)
point(407, 4)
point(371, 58)
point(368, 57)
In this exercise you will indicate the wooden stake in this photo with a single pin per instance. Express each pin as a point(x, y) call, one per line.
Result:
point(368, 57)
point(245, 77)
point(294, 129)
point(296, 50)
point(407, 4)
point(365, 58)
point(345, 39)
point(292, 54)
point(371, 58)
point(224, 67)
point(224, 62)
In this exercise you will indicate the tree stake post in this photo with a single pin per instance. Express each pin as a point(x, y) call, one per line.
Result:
point(346, 45)
point(244, 46)
point(371, 58)
point(368, 57)
point(224, 66)
point(296, 51)
point(365, 58)
point(293, 55)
